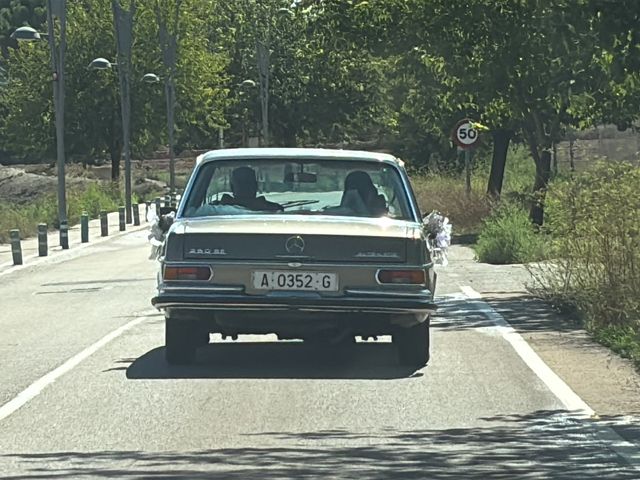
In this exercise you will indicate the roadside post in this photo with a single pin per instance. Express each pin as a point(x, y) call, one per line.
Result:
point(136, 214)
point(158, 205)
point(16, 248)
point(84, 227)
point(104, 224)
point(466, 137)
point(43, 247)
point(64, 235)
point(121, 218)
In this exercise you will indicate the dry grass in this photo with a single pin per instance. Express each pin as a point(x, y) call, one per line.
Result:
point(447, 195)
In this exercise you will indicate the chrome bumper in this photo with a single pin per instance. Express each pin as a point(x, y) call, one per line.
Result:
point(354, 301)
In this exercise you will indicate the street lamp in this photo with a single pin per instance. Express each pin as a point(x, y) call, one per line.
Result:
point(170, 98)
point(55, 9)
point(263, 46)
point(123, 20)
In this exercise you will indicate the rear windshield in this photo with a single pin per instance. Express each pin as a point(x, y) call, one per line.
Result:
point(302, 187)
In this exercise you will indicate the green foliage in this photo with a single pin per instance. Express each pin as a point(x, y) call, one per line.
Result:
point(91, 199)
point(392, 74)
point(93, 125)
point(624, 340)
point(18, 13)
point(507, 236)
point(594, 220)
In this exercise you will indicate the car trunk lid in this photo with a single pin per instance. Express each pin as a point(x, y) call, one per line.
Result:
point(303, 238)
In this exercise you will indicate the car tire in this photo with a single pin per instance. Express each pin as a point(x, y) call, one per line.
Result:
point(180, 341)
point(413, 344)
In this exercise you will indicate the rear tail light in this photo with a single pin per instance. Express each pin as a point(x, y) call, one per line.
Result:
point(406, 277)
point(187, 273)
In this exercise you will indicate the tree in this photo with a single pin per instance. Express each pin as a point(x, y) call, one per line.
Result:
point(93, 123)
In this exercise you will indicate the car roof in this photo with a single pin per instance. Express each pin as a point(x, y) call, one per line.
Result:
point(307, 153)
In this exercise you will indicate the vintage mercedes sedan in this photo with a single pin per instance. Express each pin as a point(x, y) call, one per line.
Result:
point(312, 244)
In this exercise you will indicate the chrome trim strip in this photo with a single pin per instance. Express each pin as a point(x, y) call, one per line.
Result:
point(244, 306)
point(377, 293)
point(204, 288)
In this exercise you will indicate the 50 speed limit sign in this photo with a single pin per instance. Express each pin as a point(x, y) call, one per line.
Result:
point(464, 135)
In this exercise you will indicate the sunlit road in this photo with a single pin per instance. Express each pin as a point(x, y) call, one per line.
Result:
point(260, 408)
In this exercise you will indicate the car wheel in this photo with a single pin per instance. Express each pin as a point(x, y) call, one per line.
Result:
point(413, 344)
point(180, 341)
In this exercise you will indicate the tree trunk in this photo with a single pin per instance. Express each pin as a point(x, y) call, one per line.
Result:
point(115, 151)
point(501, 140)
point(543, 173)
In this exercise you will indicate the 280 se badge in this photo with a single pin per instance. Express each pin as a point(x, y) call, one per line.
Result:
point(311, 244)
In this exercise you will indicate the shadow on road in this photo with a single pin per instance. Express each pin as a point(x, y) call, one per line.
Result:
point(278, 360)
point(543, 444)
point(522, 311)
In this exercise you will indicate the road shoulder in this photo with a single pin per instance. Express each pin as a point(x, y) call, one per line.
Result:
point(608, 383)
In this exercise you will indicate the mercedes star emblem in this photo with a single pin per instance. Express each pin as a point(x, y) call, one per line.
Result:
point(295, 245)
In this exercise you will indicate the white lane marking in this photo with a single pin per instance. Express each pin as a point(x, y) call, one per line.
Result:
point(571, 400)
point(39, 385)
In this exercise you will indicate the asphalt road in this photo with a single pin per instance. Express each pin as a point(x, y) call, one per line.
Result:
point(85, 393)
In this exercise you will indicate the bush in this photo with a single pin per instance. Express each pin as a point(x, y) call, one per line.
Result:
point(446, 194)
point(92, 199)
point(594, 220)
point(507, 236)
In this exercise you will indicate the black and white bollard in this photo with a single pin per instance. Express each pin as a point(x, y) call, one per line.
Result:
point(104, 224)
point(64, 235)
point(84, 227)
point(16, 248)
point(43, 246)
point(121, 218)
point(136, 214)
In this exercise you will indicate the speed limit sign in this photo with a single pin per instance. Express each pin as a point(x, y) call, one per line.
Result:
point(464, 135)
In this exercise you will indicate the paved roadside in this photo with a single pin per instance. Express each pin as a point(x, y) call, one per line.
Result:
point(608, 383)
point(55, 252)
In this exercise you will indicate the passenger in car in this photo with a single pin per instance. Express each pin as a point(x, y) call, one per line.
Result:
point(362, 196)
point(244, 187)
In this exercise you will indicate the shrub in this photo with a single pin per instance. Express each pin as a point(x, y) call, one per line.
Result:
point(507, 236)
point(594, 220)
point(92, 198)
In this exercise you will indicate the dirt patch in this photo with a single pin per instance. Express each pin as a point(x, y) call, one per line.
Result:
point(20, 187)
point(23, 184)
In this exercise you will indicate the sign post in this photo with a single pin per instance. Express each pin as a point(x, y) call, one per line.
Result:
point(466, 137)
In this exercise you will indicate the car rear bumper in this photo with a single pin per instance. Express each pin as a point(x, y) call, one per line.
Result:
point(355, 301)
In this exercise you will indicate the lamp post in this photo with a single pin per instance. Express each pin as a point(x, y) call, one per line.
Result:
point(263, 46)
point(169, 44)
point(56, 9)
point(123, 20)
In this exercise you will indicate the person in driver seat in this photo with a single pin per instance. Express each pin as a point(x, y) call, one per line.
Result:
point(245, 187)
point(361, 195)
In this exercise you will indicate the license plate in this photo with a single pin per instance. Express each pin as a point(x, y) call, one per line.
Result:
point(300, 281)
